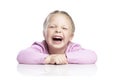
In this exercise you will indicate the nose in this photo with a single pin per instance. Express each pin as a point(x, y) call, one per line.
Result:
point(58, 30)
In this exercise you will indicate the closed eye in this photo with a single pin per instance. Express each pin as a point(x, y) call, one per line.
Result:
point(51, 26)
point(64, 28)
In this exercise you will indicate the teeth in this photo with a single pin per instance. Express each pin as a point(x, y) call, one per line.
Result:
point(57, 37)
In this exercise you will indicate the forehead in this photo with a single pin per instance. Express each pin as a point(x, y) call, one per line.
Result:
point(59, 17)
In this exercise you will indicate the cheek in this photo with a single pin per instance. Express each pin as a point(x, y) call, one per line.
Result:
point(69, 36)
point(45, 33)
point(48, 33)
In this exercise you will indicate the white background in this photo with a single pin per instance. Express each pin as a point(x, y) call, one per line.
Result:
point(97, 28)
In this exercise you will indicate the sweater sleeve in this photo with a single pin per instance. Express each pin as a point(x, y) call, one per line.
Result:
point(79, 55)
point(32, 55)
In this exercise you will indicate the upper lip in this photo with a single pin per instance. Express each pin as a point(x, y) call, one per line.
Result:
point(57, 36)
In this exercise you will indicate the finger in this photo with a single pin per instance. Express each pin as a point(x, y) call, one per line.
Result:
point(47, 60)
point(57, 60)
point(64, 60)
point(52, 61)
point(61, 59)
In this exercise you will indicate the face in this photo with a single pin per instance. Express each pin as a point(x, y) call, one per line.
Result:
point(58, 31)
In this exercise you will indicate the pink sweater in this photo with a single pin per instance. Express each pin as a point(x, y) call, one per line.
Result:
point(38, 52)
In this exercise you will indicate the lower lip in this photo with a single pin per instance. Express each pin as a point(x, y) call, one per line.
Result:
point(57, 42)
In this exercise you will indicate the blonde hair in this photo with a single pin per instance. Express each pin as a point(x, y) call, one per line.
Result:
point(62, 12)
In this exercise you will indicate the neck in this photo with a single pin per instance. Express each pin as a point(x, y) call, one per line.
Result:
point(57, 51)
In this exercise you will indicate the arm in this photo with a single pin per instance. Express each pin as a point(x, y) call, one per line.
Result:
point(31, 55)
point(79, 55)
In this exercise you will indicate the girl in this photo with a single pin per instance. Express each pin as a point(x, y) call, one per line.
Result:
point(57, 47)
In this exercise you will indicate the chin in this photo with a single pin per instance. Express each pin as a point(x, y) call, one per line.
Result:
point(58, 46)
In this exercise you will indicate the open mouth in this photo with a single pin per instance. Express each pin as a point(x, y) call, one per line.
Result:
point(57, 38)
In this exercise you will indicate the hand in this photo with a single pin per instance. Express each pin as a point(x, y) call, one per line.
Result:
point(56, 59)
point(60, 59)
point(50, 59)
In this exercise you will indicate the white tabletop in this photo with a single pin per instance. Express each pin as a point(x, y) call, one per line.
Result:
point(57, 70)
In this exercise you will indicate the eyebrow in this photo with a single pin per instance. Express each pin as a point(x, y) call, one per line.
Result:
point(65, 25)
